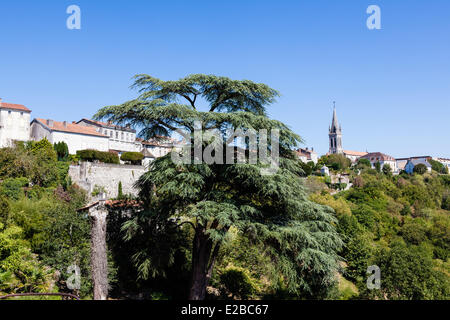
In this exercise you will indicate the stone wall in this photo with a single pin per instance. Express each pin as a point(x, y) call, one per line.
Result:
point(88, 175)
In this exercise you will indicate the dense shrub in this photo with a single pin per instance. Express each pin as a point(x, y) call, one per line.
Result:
point(420, 168)
point(335, 161)
point(62, 150)
point(13, 187)
point(132, 157)
point(238, 282)
point(102, 156)
point(408, 273)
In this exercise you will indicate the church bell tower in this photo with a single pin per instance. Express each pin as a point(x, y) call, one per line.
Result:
point(335, 134)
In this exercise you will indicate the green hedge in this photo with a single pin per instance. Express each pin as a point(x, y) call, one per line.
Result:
point(92, 155)
point(132, 157)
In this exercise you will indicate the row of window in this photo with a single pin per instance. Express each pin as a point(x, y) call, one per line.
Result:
point(125, 136)
point(9, 112)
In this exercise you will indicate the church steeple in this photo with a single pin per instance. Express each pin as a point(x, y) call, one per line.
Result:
point(335, 133)
point(334, 123)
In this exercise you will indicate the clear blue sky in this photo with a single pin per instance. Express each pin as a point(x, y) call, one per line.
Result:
point(391, 86)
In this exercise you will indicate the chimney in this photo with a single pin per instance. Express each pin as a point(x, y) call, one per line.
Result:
point(49, 123)
point(312, 149)
point(65, 124)
point(0, 102)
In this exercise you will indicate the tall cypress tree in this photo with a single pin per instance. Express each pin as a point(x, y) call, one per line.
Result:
point(211, 198)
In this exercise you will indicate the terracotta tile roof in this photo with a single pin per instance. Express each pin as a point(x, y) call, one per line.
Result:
point(69, 127)
point(4, 105)
point(354, 153)
point(378, 156)
point(107, 125)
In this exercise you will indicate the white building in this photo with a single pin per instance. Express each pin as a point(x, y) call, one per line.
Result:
point(14, 123)
point(121, 139)
point(158, 148)
point(77, 137)
point(354, 155)
point(307, 155)
point(444, 161)
point(402, 162)
point(325, 171)
point(383, 159)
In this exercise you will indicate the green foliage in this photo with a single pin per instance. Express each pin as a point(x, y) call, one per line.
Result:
point(62, 150)
point(335, 161)
point(415, 231)
point(41, 230)
point(95, 155)
point(12, 188)
point(20, 270)
point(387, 170)
point(98, 190)
point(409, 273)
point(438, 167)
point(383, 210)
point(273, 210)
point(238, 282)
point(132, 157)
point(363, 163)
point(4, 211)
point(120, 191)
point(420, 168)
point(34, 160)
point(378, 166)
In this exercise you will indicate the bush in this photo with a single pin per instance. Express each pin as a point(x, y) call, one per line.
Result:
point(13, 188)
point(237, 282)
point(420, 168)
point(335, 161)
point(132, 157)
point(62, 150)
point(387, 170)
point(415, 231)
point(102, 156)
point(363, 163)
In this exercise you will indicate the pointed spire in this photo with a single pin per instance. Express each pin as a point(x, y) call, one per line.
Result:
point(334, 122)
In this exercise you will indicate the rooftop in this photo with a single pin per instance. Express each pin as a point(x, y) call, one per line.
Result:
point(354, 153)
point(108, 125)
point(13, 106)
point(379, 156)
point(68, 127)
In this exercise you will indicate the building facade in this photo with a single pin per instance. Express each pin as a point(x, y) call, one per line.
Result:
point(307, 155)
point(77, 137)
point(375, 157)
point(14, 123)
point(121, 139)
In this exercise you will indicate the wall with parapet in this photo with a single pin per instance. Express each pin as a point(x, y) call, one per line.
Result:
point(89, 174)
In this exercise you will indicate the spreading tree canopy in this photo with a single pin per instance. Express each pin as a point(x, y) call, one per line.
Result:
point(211, 198)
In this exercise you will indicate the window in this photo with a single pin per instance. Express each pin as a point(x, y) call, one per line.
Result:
point(117, 135)
point(122, 135)
point(9, 112)
point(111, 133)
point(21, 113)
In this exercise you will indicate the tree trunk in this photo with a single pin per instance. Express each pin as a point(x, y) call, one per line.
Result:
point(203, 258)
point(99, 258)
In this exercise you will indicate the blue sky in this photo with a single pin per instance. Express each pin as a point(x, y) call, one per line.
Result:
point(391, 86)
